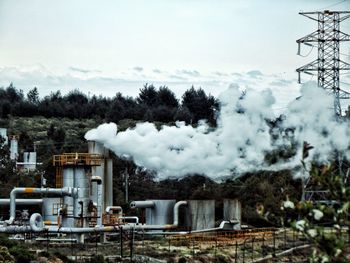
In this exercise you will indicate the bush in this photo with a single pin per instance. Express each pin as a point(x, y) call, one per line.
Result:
point(4, 241)
point(64, 258)
point(96, 259)
point(21, 254)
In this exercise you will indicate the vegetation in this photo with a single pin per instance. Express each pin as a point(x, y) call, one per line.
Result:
point(19, 251)
point(151, 105)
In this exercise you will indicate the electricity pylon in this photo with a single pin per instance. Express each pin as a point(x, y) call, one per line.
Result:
point(328, 64)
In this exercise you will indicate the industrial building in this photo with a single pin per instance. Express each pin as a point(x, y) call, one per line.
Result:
point(82, 202)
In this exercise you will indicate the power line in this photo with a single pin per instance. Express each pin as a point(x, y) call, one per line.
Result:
point(338, 3)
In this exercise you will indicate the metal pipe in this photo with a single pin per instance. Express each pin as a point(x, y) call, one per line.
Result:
point(74, 240)
point(97, 229)
point(48, 191)
point(96, 179)
point(36, 222)
point(131, 217)
point(177, 212)
point(6, 201)
point(15, 229)
point(142, 204)
point(114, 208)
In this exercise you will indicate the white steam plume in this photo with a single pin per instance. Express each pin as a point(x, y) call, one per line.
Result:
point(240, 141)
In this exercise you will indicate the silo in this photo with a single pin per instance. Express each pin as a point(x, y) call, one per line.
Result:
point(200, 214)
point(232, 210)
point(29, 160)
point(161, 213)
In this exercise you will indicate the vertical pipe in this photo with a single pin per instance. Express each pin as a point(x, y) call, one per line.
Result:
point(109, 182)
point(121, 242)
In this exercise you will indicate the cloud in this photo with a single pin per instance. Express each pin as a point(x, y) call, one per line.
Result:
point(255, 73)
point(158, 71)
point(177, 77)
point(139, 69)
point(128, 82)
point(281, 82)
point(79, 70)
point(191, 73)
point(220, 74)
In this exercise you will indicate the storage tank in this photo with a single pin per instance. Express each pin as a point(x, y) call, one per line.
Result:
point(200, 214)
point(51, 206)
point(105, 171)
point(161, 213)
point(14, 147)
point(67, 206)
point(82, 182)
point(3, 134)
point(29, 160)
point(232, 210)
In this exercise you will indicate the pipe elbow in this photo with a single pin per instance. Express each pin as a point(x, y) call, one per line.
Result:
point(96, 179)
point(177, 211)
point(36, 222)
point(119, 209)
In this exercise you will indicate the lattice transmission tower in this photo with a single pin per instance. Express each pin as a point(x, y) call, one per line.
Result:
point(328, 64)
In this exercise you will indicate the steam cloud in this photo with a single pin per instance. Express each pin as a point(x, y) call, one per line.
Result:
point(241, 140)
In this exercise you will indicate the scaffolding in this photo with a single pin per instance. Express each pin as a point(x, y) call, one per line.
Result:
point(73, 159)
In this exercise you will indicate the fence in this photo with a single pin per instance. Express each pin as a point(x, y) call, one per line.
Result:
point(221, 246)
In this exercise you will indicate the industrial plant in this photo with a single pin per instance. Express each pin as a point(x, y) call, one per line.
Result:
point(74, 212)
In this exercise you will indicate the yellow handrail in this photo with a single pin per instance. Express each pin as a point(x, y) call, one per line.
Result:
point(65, 159)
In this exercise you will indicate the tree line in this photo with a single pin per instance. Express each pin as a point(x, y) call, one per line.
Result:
point(151, 104)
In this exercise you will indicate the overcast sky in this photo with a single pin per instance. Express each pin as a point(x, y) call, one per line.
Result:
point(103, 47)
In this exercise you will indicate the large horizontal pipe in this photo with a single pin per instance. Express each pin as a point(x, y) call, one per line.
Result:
point(142, 204)
point(100, 229)
point(22, 201)
point(15, 229)
point(46, 191)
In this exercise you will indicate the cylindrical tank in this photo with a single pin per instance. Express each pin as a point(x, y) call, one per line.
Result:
point(96, 196)
point(105, 171)
point(108, 182)
point(14, 147)
point(82, 182)
point(232, 210)
point(29, 160)
point(200, 214)
point(161, 213)
point(68, 181)
point(50, 208)
point(3, 134)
